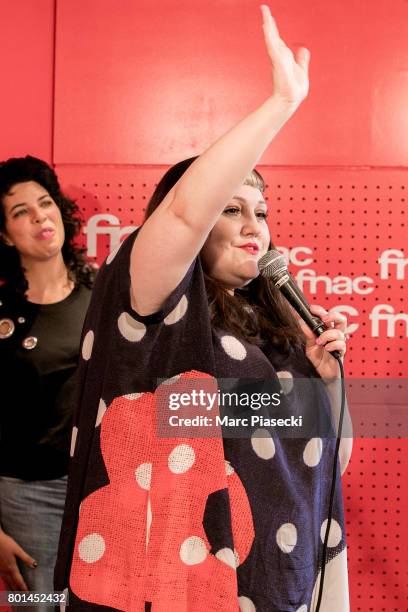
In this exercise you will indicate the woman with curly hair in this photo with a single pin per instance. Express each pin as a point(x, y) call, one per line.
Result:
point(45, 292)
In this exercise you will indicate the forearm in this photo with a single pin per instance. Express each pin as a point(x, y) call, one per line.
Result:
point(211, 180)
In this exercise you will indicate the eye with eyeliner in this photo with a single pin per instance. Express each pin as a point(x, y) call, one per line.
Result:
point(19, 213)
point(232, 209)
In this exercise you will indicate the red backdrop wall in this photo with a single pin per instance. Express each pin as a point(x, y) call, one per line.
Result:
point(111, 93)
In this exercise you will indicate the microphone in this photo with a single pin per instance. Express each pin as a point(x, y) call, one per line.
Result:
point(273, 265)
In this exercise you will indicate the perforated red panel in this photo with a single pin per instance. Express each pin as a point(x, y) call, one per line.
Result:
point(333, 223)
point(344, 232)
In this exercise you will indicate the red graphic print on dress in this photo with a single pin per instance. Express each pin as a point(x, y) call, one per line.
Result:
point(141, 538)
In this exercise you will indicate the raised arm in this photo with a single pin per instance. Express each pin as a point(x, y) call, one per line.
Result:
point(173, 236)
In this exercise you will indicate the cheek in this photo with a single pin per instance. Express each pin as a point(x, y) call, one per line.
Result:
point(266, 237)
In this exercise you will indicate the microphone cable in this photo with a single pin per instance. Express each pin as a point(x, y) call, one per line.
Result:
point(333, 486)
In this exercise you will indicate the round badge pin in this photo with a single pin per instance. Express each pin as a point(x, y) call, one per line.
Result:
point(7, 328)
point(30, 342)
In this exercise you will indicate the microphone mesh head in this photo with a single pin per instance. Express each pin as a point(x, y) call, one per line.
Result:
point(272, 264)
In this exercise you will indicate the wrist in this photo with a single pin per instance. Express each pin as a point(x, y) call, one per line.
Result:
point(281, 106)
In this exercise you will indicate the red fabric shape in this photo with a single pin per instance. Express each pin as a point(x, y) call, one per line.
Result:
point(113, 565)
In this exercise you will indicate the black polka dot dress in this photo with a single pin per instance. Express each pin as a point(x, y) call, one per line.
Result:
point(159, 520)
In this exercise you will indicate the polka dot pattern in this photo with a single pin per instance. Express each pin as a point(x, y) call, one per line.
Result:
point(73, 441)
point(131, 329)
point(286, 537)
point(286, 380)
point(233, 347)
point(263, 444)
point(91, 548)
point(133, 396)
point(334, 535)
point(178, 312)
point(87, 345)
point(226, 555)
point(193, 551)
point(144, 475)
point(302, 608)
point(313, 452)
point(101, 412)
point(181, 459)
point(228, 468)
point(170, 381)
point(246, 604)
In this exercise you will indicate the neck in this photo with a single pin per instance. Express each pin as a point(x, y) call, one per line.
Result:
point(48, 280)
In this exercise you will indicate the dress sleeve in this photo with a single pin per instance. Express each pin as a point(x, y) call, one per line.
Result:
point(117, 265)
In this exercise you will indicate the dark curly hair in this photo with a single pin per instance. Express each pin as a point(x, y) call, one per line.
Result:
point(258, 310)
point(23, 169)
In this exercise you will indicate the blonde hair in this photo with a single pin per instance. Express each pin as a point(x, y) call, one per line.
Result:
point(254, 179)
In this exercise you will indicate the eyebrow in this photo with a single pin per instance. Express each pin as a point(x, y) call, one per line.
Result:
point(244, 201)
point(24, 204)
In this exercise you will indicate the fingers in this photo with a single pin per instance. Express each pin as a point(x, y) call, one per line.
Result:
point(25, 558)
point(16, 580)
point(333, 340)
point(269, 24)
point(273, 41)
point(302, 58)
point(329, 336)
point(13, 577)
point(331, 318)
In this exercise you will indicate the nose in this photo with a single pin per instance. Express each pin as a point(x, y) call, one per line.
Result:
point(38, 215)
point(250, 226)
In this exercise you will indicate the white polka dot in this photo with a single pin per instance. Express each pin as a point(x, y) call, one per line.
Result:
point(131, 329)
point(144, 475)
point(263, 444)
point(91, 548)
point(73, 440)
point(133, 396)
point(286, 380)
point(226, 555)
point(178, 312)
point(233, 347)
point(63, 605)
point(148, 521)
point(113, 254)
point(334, 535)
point(101, 412)
point(228, 468)
point(246, 605)
point(193, 551)
point(336, 585)
point(286, 537)
point(87, 345)
point(170, 381)
point(313, 452)
point(302, 608)
point(181, 459)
